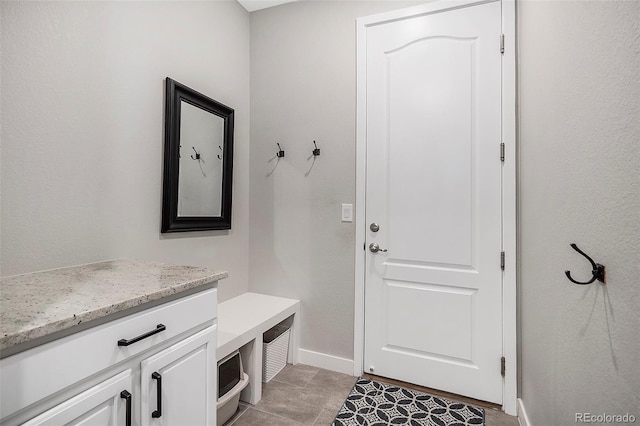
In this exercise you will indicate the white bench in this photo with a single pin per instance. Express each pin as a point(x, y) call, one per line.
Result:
point(241, 323)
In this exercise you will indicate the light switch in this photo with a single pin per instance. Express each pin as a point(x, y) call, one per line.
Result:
point(347, 212)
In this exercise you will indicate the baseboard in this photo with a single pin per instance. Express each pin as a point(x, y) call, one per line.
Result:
point(328, 362)
point(522, 414)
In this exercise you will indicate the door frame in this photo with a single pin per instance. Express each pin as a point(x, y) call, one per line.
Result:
point(509, 105)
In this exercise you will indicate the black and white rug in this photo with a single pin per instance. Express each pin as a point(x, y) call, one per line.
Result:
point(372, 403)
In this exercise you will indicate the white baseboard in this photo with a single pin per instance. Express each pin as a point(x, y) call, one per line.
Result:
point(522, 414)
point(328, 362)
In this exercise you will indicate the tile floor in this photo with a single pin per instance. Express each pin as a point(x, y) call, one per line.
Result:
point(305, 395)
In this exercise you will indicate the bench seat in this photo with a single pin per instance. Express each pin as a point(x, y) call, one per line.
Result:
point(241, 322)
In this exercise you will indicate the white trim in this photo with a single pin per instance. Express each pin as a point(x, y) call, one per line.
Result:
point(423, 9)
point(509, 307)
point(522, 414)
point(328, 362)
point(361, 174)
point(509, 301)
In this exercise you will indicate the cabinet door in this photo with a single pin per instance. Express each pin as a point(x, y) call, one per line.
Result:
point(185, 374)
point(104, 404)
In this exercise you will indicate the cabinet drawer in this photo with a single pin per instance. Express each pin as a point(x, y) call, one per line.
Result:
point(49, 368)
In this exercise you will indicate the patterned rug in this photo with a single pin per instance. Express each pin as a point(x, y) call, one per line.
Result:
point(372, 403)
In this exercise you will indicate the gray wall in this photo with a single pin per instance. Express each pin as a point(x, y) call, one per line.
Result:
point(303, 88)
point(579, 182)
point(82, 129)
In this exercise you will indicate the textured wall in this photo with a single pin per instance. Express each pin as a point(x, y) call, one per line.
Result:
point(579, 182)
point(82, 129)
point(303, 88)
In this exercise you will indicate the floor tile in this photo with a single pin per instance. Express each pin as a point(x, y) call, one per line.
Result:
point(299, 374)
point(499, 418)
point(293, 402)
point(335, 385)
point(253, 417)
point(305, 395)
point(326, 417)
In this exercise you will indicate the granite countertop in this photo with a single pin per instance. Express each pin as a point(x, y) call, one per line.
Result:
point(38, 304)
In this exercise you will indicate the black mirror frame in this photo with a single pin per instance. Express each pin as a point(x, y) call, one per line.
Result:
point(171, 222)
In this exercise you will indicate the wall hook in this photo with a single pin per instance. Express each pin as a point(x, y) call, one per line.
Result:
point(197, 157)
point(280, 152)
point(219, 157)
point(597, 269)
point(316, 151)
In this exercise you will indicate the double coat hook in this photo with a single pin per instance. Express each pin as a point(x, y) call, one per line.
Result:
point(597, 269)
point(197, 157)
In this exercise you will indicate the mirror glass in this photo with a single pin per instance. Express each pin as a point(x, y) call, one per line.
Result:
point(200, 177)
point(198, 161)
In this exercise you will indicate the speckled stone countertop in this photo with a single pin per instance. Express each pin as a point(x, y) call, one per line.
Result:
point(37, 304)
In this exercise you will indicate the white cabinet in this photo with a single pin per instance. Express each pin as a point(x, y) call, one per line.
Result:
point(178, 384)
point(108, 403)
point(80, 379)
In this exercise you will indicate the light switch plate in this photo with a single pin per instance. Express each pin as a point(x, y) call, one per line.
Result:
point(347, 212)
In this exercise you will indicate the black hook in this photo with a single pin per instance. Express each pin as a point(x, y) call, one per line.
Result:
point(597, 271)
point(316, 151)
point(219, 157)
point(280, 153)
point(197, 157)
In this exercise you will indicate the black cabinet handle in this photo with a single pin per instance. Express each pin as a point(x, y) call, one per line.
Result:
point(157, 376)
point(158, 329)
point(127, 396)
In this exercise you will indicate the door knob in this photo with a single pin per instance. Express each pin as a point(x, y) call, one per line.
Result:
point(374, 248)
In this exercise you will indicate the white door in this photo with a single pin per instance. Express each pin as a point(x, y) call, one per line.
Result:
point(106, 404)
point(433, 186)
point(179, 383)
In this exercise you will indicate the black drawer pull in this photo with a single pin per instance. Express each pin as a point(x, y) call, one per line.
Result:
point(127, 396)
point(155, 375)
point(125, 342)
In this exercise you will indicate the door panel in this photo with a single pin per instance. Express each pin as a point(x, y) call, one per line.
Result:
point(448, 309)
point(188, 376)
point(433, 300)
point(101, 415)
point(420, 75)
point(99, 405)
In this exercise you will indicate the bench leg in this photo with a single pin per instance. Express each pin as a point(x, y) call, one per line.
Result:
point(251, 354)
point(294, 339)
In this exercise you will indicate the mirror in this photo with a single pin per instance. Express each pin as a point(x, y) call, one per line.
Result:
point(198, 161)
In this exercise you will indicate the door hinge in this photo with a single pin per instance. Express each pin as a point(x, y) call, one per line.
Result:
point(502, 152)
point(502, 366)
point(502, 260)
point(502, 43)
